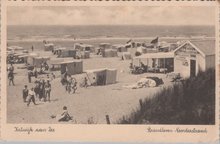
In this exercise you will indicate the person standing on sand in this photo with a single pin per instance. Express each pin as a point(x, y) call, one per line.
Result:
point(32, 48)
point(11, 78)
point(29, 76)
point(35, 71)
point(47, 90)
point(25, 93)
point(86, 82)
point(11, 68)
point(31, 97)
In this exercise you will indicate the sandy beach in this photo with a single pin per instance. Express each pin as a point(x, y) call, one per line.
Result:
point(95, 101)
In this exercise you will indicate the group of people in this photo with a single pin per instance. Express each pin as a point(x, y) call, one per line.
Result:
point(69, 82)
point(33, 71)
point(40, 91)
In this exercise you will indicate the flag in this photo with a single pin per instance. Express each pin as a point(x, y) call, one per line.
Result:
point(154, 41)
point(129, 44)
point(129, 41)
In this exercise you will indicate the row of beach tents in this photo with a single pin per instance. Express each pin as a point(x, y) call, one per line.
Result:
point(82, 51)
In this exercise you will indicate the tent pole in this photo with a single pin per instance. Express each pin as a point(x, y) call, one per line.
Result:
point(147, 65)
point(164, 65)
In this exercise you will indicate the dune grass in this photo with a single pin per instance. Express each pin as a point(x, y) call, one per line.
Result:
point(191, 101)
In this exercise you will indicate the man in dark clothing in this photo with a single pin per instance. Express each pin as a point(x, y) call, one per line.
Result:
point(86, 82)
point(25, 93)
point(35, 71)
point(32, 48)
point(11, 78)
point(29, 76)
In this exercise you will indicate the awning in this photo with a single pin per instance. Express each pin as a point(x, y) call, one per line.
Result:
point(60, 61)
point(156, 55)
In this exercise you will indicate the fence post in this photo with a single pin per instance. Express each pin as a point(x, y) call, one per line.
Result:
point(107, 119)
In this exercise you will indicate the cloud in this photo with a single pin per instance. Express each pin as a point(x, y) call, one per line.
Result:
point(118, 15)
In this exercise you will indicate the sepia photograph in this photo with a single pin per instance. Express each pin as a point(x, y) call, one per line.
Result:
point(117, 65)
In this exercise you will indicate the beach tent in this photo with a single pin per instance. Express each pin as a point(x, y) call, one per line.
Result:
point(72, 67)
point(54, 63)
point(111, 76)
point(126, 56)
point(89, 48)
point(58, 50)
point(15, 48)
point(69, 65)
point(119, 48)
point(104, 45)
point(109, 53)
point(141, 49)
point(84, 47)
point(37, 61)
point(101, 76)
point(83, 54)
point(24, 57)
point(30, 59)
point(68, 53)
point(48, 47)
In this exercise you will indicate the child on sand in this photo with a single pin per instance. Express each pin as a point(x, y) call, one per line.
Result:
point(64, 116)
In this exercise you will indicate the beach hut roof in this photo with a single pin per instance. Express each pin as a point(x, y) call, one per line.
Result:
point(42, 57)
point(18, 54)
point(118, 45)
point(204, 47)
point(60, 48)
point(49, 44)
point(156, 55)
point(69, 61)
point(98, 70)
point(23, 56)
point(104, 44)
point(59, 61)
point(15, 48)
point(33, 54)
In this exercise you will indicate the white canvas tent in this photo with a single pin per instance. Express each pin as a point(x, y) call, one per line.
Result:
point(48, 47)
point(110, 53)
point(37, 61)
point(24, 57)
point(83, 54)
point(141, 49)
point(31, 56)
point(119, 48)
point(70, 66)
point(68, 53)
point(84, 47)
point(101, 76)
point(126, 56)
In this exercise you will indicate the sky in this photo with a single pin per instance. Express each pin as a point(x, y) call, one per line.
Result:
point(112, 15)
